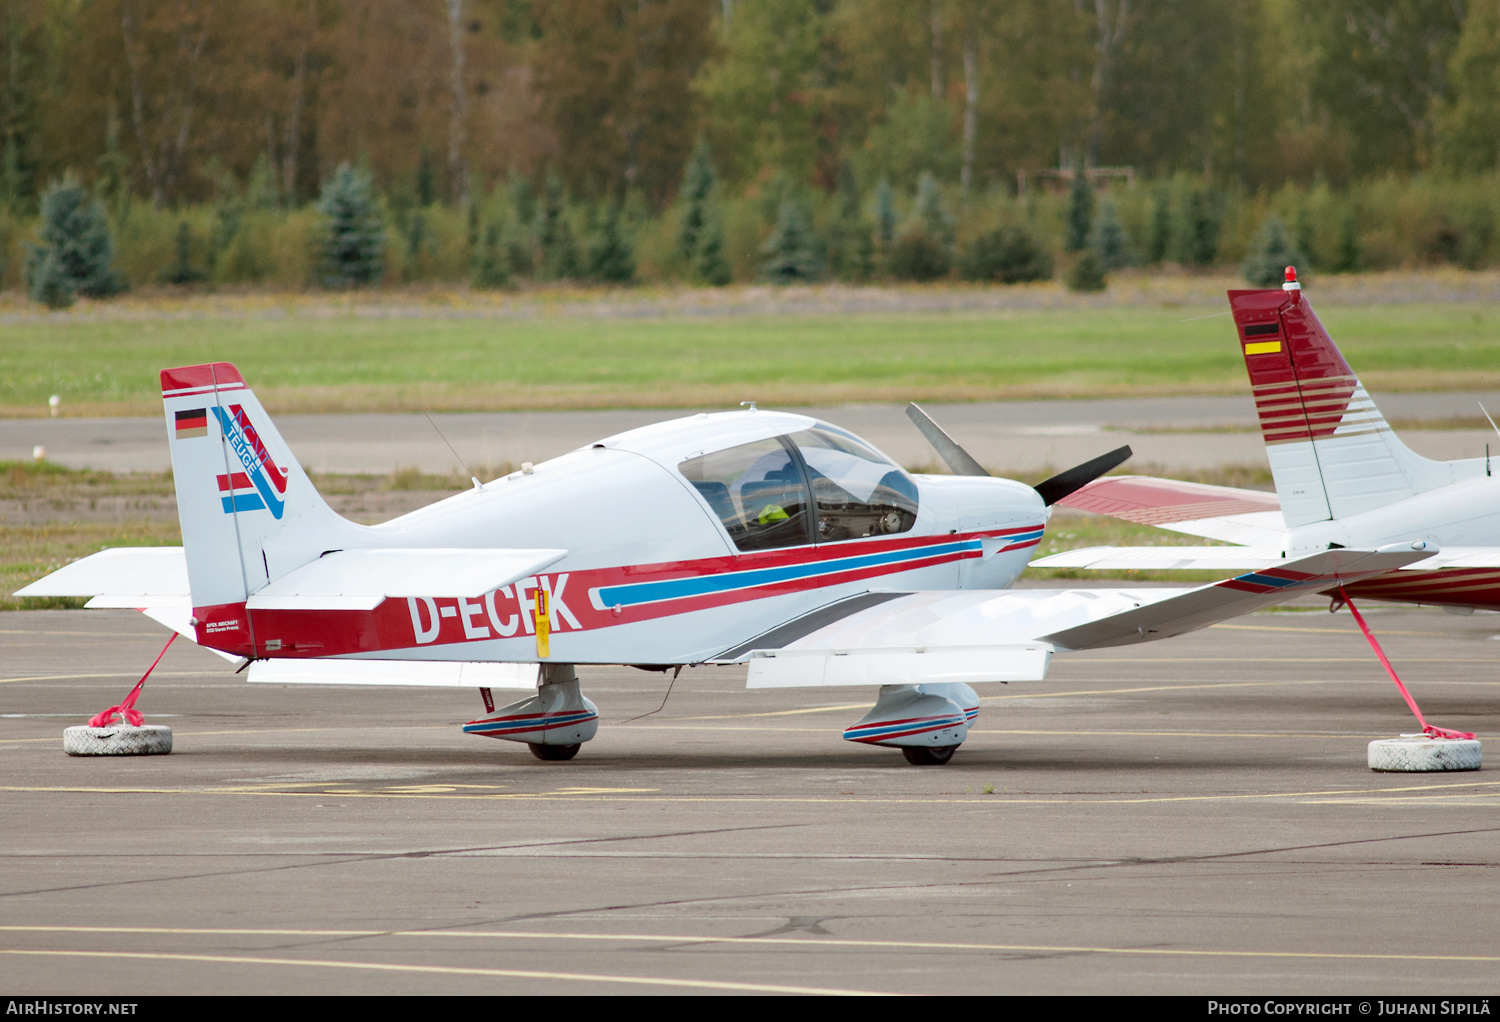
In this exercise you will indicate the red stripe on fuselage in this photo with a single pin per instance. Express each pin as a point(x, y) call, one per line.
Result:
point(390, 626)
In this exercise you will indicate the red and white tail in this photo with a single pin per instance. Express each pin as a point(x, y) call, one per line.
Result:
point(1331, 451)
point(249, 514)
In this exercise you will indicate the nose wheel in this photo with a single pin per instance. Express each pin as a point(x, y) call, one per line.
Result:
point(921, 755)
point(554, 753)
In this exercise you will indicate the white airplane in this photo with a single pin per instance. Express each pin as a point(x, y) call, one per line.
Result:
point(1343, 479)
point(752, 537)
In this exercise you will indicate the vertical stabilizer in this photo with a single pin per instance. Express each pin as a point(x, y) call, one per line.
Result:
point(249, 514)
point(1331, 451)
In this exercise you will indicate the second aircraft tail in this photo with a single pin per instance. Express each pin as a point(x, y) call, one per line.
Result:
point(1332, 452)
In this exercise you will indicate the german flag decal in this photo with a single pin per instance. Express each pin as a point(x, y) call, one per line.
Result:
point(191, 423)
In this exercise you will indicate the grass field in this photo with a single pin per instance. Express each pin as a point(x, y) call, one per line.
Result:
point(332, 361)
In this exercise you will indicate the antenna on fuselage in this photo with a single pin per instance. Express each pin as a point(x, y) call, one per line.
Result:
point(472, 477)
point(1487, 446)
point(748, 404)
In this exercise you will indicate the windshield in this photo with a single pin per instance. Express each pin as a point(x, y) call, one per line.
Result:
point(857, 491)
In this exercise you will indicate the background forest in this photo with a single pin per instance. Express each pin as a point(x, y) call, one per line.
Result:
point(291, 143)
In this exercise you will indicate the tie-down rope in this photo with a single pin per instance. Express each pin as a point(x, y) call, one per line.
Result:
point(126, 709)
point(1427, 729)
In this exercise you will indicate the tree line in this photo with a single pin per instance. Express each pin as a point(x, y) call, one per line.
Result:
point(170, 100)
point(343, 142)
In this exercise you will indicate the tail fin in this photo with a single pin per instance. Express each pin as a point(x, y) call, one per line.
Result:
point(1331, 451)
point(249, 514)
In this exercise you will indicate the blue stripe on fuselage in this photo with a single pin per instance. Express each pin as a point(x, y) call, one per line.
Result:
point(703, 585)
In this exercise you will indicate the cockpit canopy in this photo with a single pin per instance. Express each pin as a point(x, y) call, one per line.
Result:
point(817, 484)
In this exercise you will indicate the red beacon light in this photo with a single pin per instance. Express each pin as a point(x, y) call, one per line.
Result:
point(1291, 280)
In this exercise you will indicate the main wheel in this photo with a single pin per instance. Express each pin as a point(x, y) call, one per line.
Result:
point(554, 752)
point(927, 755)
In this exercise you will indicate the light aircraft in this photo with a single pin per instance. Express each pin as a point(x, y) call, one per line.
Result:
point(1343, 479)
point(752, 536)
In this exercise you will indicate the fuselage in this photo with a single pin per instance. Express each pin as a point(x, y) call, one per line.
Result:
point(683, 539)
point(1465, 513)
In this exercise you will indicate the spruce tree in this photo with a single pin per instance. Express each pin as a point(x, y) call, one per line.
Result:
point(931, 211)
point(792, 256)
point(1110, 239)
point(697, 189)
point(1010, 255)
point(1159, 237)
point(1270, 254)
point(710, 263)
point(353, 231)
point(1200, 242)
point(181, 271)
point(611, 259)
point(1080, 212)
point(559, 251)
point(489, 268)
point(1347, 255)
point(77, 251)
point(917, 255)
point(885, 214)
point(1087, 272)
point(851, 251)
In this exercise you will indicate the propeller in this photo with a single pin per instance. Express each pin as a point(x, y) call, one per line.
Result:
point(1051, 490)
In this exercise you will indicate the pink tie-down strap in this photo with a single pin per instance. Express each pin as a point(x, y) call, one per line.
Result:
point(1427, 729)
point(126, 710)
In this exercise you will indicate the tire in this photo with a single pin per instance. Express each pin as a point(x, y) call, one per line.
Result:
point(1424, 755)
point(554, 753)
point(118, 740)
point(925, 755)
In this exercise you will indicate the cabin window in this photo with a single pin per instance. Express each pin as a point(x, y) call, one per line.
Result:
point(857, 492)
point(758, 492)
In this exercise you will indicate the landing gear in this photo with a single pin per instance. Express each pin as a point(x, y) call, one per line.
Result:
point(554, 722)
point(927, 722)
point(917, 755)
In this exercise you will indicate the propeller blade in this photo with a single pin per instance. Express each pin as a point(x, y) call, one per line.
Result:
point(1076, 478)
point(956, 457)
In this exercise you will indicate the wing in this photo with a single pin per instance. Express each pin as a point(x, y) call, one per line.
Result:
point(1231, 515)
point(156, 577)
point(983, 636)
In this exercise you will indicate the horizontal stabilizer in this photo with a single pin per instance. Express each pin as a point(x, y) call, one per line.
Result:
point(122, 577)
point(420, 673)
point(361, 579)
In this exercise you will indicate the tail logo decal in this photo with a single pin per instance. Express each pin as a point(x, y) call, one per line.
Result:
point(265, 481)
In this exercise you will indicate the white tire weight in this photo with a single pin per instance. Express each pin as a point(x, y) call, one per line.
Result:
point(118, 740)
point(1424, 755)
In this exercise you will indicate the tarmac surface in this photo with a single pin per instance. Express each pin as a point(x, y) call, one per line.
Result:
point(1193, 817)
point(1171, 433)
